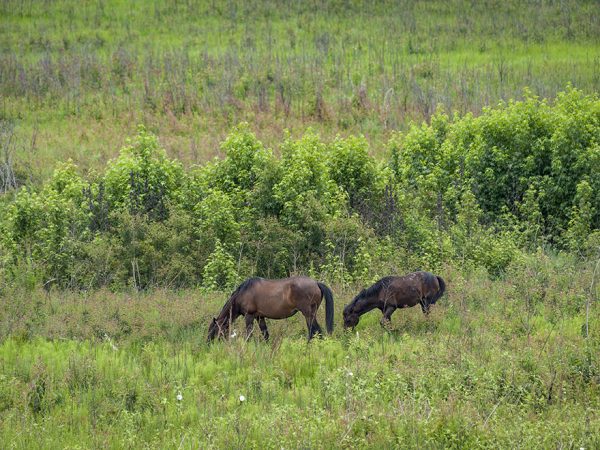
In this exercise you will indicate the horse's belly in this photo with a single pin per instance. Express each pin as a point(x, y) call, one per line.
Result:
point(275, 309)
point(407, 297)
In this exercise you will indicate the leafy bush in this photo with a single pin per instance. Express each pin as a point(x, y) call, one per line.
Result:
point(509, 157)
point(468, 190)
point(306, 193)
point(142, 179)
point(219, 272)
point(354, 171)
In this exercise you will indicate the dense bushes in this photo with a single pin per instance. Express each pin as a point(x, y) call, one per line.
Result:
point(521, 152)
point(471, 190)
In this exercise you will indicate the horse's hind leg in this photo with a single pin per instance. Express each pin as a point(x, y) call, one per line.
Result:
point(312, 325)
point(263, 328)
point(249, 325)
point(313, 328)
point(425, 306)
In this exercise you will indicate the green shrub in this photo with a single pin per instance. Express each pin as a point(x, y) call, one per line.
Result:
point(469, 190)
point(306, 194)
point(582, 213)
point(354, 171)
point(219, 272)
point(215, 219)
point(511, 157)
point(245, 159)
point(142, 179)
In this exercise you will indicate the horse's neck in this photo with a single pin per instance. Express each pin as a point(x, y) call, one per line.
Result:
point(228, 312)
point(367, 304)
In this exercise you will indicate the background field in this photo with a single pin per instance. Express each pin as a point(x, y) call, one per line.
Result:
point(479, 161)
point(76, 78)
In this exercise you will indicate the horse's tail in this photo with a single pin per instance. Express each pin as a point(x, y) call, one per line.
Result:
point(439, 293)
point(328, 295)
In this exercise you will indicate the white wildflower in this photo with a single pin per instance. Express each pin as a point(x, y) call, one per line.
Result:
point(179, 397)
point(234, 334)
point(350, 374)
point(242, 398)
point(110, 342)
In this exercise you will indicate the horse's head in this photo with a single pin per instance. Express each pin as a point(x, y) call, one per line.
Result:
point(351, 317)
point(216, 329)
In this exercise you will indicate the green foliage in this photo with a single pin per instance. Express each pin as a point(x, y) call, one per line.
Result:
point(45, 226)
point(511, 150)
point(580, 221)
point(67, 182)
point(216, 219)
point(219, 272)
point(353, 170)
point(245, 160)
point(416, 155)
point(532, 220)
point(468, 190)
point(271, 248)
point(306, 194)
point(142, 179)
point(524, 158)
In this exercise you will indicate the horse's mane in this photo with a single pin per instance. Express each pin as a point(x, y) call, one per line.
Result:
point(238, 291)
point(375, 289)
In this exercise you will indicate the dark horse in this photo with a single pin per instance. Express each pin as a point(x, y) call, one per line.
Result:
point(390, 293)
point(258, 298)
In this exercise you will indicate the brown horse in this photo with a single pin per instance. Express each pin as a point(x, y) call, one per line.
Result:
point(258, 298)
point(390, 293)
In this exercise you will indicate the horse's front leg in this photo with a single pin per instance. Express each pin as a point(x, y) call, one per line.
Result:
point(263, 328)
point(387, 316)
point(249, 325)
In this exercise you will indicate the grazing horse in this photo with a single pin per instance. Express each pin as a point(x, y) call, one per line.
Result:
point(390, 293)
point(259, 298)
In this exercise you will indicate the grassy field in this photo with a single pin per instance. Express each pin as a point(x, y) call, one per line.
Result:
point(109, 357)
point(77, 78)
point(498, 364)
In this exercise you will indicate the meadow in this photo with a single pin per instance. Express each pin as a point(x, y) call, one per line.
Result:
point(499, 363)
point(154, 155)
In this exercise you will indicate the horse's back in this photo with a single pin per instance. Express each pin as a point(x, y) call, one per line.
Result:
point(295, 283)
point(302, 282)
point(282, 286)
point(413, 286)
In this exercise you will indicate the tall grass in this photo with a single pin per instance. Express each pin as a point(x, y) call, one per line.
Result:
point(499, 363)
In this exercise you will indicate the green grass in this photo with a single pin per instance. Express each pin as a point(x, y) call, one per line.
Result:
point(77, 78)
point(494, 366)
